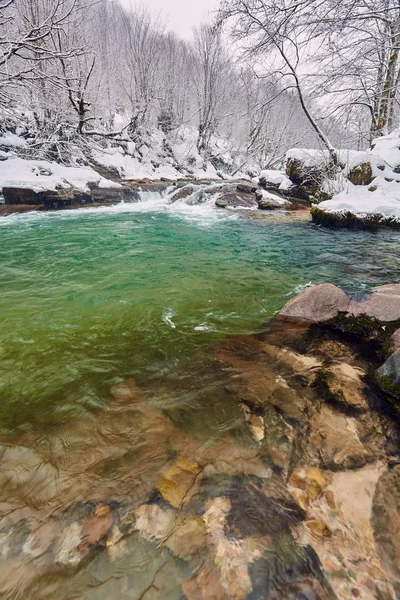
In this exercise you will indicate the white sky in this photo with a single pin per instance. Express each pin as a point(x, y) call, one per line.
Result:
point(179, 15)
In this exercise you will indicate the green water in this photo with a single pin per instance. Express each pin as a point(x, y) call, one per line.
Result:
point(89, 298)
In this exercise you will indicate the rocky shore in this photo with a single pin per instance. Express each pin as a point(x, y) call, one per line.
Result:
point(300, 500)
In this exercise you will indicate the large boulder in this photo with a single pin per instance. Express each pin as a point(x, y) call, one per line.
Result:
point(326, 301)
point(309, 170)
point(20, 196)
point(183, 193)
point(269, 201)
point(317, 303)
point(235, 198)
point(382, 303)
point(66, 198)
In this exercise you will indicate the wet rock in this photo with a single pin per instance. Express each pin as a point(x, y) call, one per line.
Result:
point(338, 527)
point(180, 482)
point(125, 391)
point(395, 341)
point(270, 201)
point(183, 193)
point(188, 538)
point(154, 522)
point(346, 386)
point(18, 196)
point(389, 373)
point(334, 440)
point(66, 198)
point(288, 571)
point(317, 303)
point(222, 203)
point(107, 195)
point(234, 198)
point(255, 422)
point(96, 529)
point(245, 188)
point(260, 512)
point(361, 174)
point(203, 586)
point(386, 523)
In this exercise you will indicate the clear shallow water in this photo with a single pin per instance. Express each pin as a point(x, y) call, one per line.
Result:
point(92, 297)
point(128, 465)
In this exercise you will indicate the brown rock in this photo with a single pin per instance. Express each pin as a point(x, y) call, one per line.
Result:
point(183, 193)
point(180, 482)
point(187, 538)
point(386, 523)
point(236, 199)
point(346, 385)
point(334, 440)
point(204, 586)
point(318, 303)
point(125, 391)
point(361, 174)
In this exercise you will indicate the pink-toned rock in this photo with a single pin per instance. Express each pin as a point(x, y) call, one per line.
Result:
point(318, 303)
point(382, 304)
point(395, 341)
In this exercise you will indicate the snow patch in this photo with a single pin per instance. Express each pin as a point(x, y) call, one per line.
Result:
point(41, 175)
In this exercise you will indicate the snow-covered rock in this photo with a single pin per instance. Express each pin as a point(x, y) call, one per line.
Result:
point(268, 201)
point(366, 189)
point(381, 199)
point(41, 175)
point(275, 179)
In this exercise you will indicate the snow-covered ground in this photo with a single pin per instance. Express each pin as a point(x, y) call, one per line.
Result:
point(153, 156)
point(41, 175)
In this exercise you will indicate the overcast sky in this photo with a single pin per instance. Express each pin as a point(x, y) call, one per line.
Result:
point(179, 15)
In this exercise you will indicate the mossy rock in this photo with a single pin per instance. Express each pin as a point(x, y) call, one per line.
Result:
point(351, 221)
point(361, 174)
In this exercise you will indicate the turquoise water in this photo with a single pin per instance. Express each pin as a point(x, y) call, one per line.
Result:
point(92, 297)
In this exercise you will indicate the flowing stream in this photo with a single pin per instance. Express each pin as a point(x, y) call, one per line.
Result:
point(139, 293)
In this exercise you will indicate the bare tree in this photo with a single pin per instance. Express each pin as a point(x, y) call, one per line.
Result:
point(26, 41)
point(361, 64)
point(211, 69)
point(278, 30)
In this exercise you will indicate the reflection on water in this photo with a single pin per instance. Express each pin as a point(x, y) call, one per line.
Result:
point(144, 455)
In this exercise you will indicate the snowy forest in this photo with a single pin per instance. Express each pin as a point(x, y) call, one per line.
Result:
point(260, 78)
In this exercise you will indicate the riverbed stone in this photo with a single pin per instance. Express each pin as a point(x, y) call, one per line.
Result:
point(334, 440)
point(180, 482)
point(345, 383)
point(386, 522)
